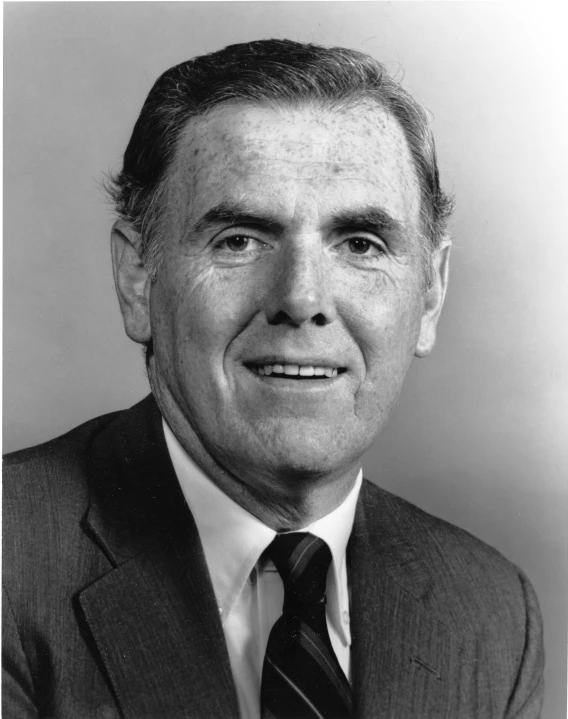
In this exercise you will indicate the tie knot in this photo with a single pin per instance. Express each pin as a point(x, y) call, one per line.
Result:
point(302, 560)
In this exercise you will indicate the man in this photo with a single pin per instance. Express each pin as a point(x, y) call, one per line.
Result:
point(214, 551)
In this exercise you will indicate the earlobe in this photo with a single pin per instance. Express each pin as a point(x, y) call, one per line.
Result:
point(434, 300)
point(132, 282)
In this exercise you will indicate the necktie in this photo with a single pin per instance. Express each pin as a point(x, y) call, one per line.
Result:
point(301, 677)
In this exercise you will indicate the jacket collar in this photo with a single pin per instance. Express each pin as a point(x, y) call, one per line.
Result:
point(134, 495)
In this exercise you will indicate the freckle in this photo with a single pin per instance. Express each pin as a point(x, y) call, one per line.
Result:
point(196, 152)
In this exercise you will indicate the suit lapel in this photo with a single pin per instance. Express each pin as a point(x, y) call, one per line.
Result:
point(153, 617)
point(402, 654)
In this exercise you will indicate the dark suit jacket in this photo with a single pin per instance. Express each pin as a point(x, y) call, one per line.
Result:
point(109, 609)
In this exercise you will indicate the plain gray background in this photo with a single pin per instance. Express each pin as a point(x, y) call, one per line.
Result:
point(479, 434)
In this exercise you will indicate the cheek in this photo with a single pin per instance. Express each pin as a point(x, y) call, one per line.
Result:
point(382, 308)
point(386, 328)
point(198, 312)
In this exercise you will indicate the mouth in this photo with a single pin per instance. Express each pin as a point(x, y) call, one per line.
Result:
point(295, 371)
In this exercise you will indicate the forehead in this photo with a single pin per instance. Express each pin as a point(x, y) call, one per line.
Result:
point(294, 159)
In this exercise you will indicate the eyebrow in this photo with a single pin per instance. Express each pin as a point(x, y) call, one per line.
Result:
point(235, 214)
point(372, 219)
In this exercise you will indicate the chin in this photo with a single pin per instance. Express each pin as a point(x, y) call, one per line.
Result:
point(299, 451)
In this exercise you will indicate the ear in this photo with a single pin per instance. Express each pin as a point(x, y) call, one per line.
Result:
point(132, 282)
point(434, 299)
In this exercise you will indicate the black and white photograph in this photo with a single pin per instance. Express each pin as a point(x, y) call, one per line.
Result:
point(285, 389)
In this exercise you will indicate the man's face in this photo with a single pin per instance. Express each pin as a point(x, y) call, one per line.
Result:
point(289, 301)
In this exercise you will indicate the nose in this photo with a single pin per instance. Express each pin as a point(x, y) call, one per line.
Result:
point(300, 292)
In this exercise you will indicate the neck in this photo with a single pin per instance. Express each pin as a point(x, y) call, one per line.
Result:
point(290, 501)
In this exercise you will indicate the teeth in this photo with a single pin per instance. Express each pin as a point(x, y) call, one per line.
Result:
point(293, 370)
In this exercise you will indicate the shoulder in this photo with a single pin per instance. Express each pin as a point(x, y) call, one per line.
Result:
point(436, 540)
point(50, 551)
point(471, 584)
point(485, 602)
point(52, 474)
point(49, 489)
point(45, 495)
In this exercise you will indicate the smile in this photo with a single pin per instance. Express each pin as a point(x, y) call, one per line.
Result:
point(295, 371)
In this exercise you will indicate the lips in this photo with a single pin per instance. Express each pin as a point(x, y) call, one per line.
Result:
point(294, 371)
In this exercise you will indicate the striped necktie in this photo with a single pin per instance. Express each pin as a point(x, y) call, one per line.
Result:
point(301, 677)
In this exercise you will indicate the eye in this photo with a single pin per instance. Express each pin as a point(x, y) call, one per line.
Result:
point(239, 248)
point(363, 248)
point(359, 246)
point(238, 243)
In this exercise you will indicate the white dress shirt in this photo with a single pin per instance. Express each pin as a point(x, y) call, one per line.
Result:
point(250, 595)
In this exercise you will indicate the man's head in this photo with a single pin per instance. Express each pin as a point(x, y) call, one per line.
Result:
point(282, 249)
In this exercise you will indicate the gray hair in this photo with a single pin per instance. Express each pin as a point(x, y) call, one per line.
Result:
point(274, 72)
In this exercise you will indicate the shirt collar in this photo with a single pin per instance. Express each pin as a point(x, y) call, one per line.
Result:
point(233, 539)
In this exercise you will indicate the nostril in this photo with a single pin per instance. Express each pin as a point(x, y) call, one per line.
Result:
point(283, 318)
point(280, 318)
